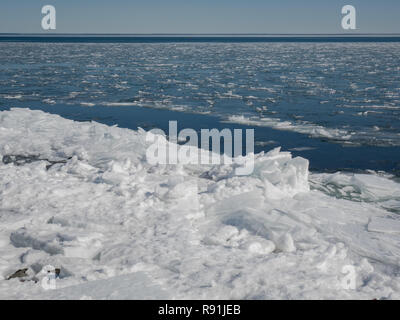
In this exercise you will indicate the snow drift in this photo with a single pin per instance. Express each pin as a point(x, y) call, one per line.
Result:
point(81, 196)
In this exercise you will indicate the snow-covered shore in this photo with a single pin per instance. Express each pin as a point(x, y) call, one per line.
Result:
point(84, 199)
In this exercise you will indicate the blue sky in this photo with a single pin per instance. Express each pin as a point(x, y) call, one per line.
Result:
point(200, 16)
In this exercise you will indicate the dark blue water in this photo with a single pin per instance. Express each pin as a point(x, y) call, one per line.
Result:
point(57, 38)
point(335, 102)
point(323, 155)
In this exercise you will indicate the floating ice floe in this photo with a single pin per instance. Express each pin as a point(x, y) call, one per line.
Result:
point(303, 127)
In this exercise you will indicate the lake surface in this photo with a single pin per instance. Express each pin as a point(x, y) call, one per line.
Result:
point(334, 101)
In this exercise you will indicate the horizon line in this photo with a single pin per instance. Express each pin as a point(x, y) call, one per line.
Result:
point(197, 34)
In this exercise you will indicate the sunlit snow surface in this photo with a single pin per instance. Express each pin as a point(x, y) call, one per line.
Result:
point(118, 227)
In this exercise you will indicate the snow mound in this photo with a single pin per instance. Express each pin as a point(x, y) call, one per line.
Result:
point(81, 196)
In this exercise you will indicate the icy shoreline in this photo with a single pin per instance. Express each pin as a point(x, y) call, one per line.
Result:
point(106, 217)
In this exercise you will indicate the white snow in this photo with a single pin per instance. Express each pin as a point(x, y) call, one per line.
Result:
point(118, 227)
point(384, 225)
point(303, 127)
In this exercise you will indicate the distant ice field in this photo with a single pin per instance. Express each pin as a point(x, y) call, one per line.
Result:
point(331, 96)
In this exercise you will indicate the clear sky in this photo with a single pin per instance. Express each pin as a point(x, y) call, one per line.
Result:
point(200, 16)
